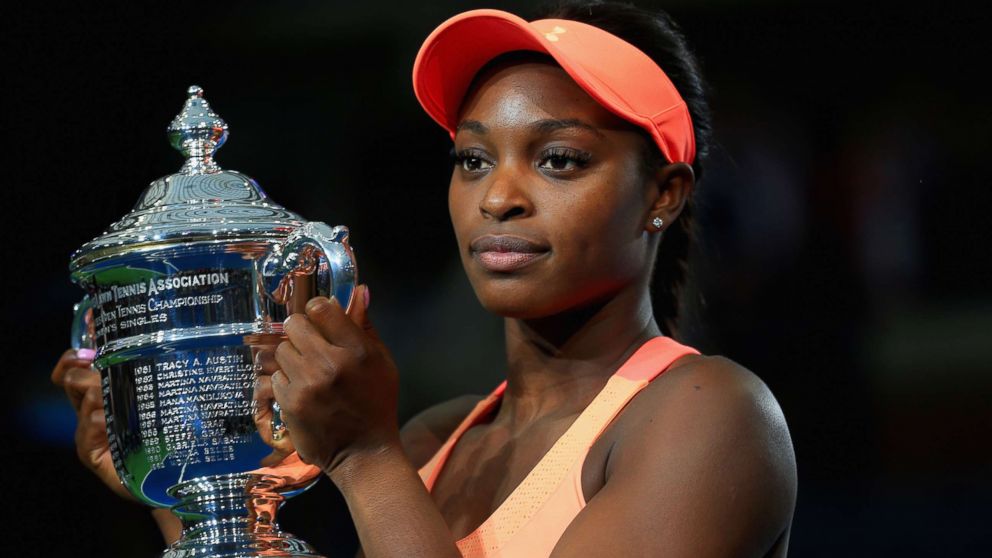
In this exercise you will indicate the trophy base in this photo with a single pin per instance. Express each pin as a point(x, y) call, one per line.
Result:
point(233, 516)
point(230, 545)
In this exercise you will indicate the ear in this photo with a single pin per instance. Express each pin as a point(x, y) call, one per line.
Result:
point(672, 186)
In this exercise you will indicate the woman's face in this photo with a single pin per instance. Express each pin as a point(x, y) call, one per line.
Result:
point(549, 197)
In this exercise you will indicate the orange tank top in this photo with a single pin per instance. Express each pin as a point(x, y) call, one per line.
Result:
point(534, 516)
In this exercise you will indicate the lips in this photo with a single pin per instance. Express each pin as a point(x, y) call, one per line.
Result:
point(504, 253)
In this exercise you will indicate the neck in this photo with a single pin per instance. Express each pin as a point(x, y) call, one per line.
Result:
point(558, 364)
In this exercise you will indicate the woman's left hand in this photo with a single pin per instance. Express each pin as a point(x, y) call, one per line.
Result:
point(335, 382)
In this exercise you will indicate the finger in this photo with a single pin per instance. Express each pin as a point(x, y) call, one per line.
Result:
point(91, 438)
point(359, 312)
point(95, 435)
point(87, 424)
point(91, 401)
point(98, 424)
point(263, 399)
point(263, 395)
point(69, 359)
point(61, 365)
point(289, 361)
point(76, 381)
point(265, 362)
point(282, 391)
point(304, 336)
point(328, 318)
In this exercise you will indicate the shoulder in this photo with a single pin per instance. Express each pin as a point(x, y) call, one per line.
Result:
point(712, 431)
point(711, 392)
point(427, 431)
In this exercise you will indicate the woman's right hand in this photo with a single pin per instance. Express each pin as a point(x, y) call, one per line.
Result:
point(81, 383)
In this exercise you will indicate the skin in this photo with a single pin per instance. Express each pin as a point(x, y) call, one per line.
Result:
point(81, 383)
point(699, 464)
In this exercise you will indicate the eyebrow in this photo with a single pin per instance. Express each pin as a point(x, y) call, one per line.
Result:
point(472, 126)
point(545, 126)
point(553, 124)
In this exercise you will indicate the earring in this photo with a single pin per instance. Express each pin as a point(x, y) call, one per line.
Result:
point(657, 222)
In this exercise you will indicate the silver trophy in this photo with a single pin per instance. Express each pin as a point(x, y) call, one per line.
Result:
point(182, 292)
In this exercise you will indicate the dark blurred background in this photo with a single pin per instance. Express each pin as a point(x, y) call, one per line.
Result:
point(842, 259)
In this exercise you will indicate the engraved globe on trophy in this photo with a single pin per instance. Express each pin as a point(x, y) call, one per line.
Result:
point(181, 294)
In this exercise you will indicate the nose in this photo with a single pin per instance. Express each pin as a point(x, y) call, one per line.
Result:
point(506, 196)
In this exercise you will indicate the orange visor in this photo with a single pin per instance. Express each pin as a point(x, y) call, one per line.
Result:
point(612, 71)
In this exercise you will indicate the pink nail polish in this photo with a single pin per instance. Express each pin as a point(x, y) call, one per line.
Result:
point(85, 354)
point(367, 296)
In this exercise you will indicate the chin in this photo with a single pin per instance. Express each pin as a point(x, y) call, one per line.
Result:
point(514, 296)
point(511, 301)
point(514, 312)
point(523, 300)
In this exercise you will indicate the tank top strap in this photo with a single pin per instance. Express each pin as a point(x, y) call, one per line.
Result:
point(430, 471)
point(653, 358)
point(647, 363)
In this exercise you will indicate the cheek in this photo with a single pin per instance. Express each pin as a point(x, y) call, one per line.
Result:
point(457, 204)
point(601, 233)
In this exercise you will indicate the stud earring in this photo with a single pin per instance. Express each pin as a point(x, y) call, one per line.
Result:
point(657, 222)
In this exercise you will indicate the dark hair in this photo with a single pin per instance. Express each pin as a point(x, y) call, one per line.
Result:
point(655, 34)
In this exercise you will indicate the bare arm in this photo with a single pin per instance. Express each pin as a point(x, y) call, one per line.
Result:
point(393, 512)
point(708, 471)
point(426, 432)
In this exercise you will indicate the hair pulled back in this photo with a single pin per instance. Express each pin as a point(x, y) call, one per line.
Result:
point(658, 36)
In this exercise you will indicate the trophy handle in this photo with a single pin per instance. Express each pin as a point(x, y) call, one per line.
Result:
point(313, 250)
point(83, 338)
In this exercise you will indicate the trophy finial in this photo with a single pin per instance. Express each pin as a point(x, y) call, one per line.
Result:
point(197, 132)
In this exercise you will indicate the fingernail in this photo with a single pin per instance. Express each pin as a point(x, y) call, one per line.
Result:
point(367, 296)
point(317, 301)
point(85, 354)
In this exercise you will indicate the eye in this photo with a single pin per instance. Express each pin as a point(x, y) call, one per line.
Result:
point(471, 160)
point(563, 159)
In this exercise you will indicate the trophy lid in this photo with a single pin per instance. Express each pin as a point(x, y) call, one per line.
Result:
point(201, 202)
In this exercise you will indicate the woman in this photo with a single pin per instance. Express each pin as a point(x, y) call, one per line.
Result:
point(576, 155)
